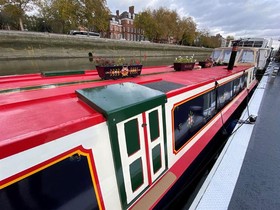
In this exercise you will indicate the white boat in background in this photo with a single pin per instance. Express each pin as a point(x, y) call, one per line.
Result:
point(251, 52)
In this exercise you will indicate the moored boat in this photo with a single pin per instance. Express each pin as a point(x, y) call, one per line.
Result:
point(78, 142)
point(251, 51)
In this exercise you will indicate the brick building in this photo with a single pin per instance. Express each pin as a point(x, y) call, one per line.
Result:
point(122, 27)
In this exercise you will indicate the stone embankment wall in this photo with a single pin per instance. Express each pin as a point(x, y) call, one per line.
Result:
point(30, 45)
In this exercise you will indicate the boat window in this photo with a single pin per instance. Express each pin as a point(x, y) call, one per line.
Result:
point(258, 44)
point(224, 94)
point(227, 54)
point(239, 44)
point(65, 185)
point(247, 56)
point(209, 105)
point(244, 80)
point(191, 116)
point(216, 54)
point(237, 85)
point(248, 44)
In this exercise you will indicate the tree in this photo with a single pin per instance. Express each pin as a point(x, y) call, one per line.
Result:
point(96, 14)
point(64, 15)
point(228, 39)
point(158, 25)
point(147, 23)
point(186, 32)
point(206, 40)
point(16, 10)
point(163, 25)
point(7, 21)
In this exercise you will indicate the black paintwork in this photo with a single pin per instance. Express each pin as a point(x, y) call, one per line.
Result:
point(164, 86)
point(64, 185)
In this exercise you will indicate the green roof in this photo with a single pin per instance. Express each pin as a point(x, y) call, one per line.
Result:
point(121, 101)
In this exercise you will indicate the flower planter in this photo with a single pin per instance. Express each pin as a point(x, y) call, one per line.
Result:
point(205, 64)
point(116, 72)
point(183, 66)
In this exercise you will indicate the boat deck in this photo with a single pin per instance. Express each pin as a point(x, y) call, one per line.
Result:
point(39, 107)
point(246, 174)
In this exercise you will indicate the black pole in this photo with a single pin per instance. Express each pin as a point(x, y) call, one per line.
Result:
point(232, 56)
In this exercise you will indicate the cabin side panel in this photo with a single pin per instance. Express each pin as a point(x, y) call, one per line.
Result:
point(190, 115)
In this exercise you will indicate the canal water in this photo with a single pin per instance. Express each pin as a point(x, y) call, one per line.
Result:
point(28, 66)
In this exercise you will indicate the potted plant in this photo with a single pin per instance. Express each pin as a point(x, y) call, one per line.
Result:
point(119, 68)
point(207, 63)
point(184, 63)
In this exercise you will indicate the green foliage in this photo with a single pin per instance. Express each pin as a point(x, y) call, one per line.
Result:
point(185, 59)
point(64, 12)
point(115, 62)
point(13, 12)
point(186, 32)
point(120, 61)
point(34, 23)
point(146, 22)
point(206, 40)
point(98, 15)
point(163, 25)
point(230, 38)
point(58, 16)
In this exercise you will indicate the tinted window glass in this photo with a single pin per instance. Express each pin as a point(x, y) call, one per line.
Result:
point(191, 116)
point(64, 185)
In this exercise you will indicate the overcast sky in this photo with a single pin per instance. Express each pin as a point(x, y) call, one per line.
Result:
point(238, 18)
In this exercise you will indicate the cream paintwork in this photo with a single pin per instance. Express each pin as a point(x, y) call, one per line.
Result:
point(127, 160)
point(159, 140)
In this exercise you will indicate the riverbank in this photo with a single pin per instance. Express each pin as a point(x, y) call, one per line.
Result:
point(27, 45)
point(31, 52)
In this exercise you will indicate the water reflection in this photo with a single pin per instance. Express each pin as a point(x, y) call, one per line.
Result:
point(27, 66)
